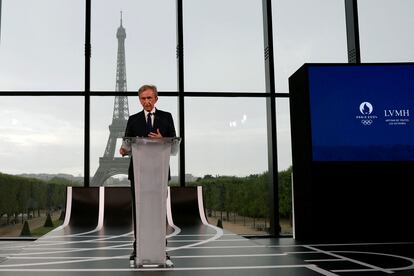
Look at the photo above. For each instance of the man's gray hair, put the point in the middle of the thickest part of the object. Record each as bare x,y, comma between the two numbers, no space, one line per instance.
148,87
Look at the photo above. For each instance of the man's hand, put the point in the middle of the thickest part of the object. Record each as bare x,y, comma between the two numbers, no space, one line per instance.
156,135
123,151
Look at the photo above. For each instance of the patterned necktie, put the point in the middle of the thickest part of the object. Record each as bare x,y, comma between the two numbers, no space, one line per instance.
149,122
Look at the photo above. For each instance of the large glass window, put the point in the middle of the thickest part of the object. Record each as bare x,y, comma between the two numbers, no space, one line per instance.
284,153
283,133
307,32
150,43
223,46
41,152
384,39
42,45
226,153
41,135
225,136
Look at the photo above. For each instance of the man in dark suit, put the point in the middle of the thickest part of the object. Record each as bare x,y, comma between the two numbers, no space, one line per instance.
150,122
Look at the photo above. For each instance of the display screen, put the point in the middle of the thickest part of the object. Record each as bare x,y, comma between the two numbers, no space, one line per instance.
362,112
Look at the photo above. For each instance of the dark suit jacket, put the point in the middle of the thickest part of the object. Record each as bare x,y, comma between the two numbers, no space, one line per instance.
136,126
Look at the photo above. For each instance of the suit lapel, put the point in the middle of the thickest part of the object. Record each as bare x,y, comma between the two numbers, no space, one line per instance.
141,124
141,119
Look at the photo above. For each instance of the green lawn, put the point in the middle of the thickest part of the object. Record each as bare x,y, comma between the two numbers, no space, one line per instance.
44,230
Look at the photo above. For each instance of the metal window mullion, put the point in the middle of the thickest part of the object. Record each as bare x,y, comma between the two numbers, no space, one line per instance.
352,31
271,117
180,84
87,92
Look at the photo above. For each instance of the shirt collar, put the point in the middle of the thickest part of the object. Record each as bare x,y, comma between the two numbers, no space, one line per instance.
152,111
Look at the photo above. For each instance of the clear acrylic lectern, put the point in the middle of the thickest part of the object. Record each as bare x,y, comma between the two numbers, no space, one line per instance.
151,159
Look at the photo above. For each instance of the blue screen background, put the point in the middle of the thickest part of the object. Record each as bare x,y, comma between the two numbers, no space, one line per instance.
338,131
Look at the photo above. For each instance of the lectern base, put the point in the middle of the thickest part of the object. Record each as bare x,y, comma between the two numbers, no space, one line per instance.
150,266
132,264
168,264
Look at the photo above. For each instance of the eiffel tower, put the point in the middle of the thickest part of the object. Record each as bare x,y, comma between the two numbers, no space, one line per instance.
108,164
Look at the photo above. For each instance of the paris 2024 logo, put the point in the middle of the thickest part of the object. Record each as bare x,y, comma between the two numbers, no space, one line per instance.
366,117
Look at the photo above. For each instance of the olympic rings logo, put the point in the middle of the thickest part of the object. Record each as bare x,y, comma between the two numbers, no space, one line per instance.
366,122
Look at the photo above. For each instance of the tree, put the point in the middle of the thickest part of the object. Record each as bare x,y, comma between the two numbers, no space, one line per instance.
48,222
246,196
285,193
26,229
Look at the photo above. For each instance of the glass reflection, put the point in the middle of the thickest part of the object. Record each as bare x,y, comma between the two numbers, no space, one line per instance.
226,153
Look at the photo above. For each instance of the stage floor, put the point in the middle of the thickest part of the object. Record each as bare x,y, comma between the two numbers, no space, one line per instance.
103,246
203,251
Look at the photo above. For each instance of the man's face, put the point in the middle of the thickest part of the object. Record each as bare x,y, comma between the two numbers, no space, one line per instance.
148,99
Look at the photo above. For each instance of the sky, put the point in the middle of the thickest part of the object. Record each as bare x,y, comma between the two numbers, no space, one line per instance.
42,49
